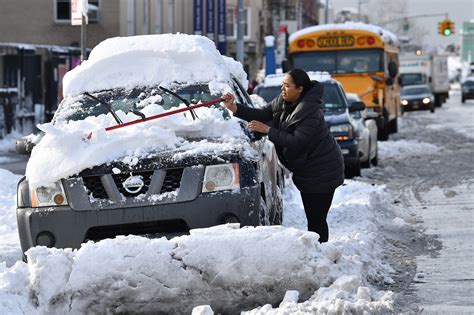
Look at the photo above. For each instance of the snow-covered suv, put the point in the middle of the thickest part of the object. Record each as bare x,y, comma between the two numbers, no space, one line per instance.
106,165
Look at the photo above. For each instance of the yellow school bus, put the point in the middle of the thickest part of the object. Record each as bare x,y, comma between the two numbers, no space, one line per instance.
363,57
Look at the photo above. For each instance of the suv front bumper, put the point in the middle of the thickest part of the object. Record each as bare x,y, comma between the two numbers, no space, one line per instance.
63,227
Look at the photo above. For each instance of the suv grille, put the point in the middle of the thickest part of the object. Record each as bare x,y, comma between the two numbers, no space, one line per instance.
149,229
171,182
94,186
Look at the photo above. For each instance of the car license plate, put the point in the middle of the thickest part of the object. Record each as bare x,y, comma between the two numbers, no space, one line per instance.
415,106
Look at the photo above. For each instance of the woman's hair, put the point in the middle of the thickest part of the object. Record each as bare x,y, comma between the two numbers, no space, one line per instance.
300,78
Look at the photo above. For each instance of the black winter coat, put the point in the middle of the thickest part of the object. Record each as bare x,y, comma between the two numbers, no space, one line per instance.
302,140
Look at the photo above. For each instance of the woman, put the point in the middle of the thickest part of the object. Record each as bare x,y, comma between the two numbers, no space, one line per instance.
302,142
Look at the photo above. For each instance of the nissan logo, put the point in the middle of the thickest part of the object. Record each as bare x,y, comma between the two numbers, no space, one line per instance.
133,184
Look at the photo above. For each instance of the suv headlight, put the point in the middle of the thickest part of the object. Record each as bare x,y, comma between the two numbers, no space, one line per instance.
221,177
48,196
342,132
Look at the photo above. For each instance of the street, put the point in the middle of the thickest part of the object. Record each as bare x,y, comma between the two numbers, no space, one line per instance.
432,192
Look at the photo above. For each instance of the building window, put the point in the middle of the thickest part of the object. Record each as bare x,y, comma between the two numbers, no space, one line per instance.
231,23
62,11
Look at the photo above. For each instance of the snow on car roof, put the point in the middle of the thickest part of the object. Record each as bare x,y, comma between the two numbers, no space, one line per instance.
126,62
386,35
277,79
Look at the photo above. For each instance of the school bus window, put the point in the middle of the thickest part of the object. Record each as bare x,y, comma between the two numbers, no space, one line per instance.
341,61
315,61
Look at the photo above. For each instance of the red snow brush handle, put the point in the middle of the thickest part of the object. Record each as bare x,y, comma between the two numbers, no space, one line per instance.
133,122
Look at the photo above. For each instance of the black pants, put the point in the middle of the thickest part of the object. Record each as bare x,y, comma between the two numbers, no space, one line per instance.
317,206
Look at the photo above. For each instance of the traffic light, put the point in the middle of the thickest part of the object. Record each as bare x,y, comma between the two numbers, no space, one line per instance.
446,27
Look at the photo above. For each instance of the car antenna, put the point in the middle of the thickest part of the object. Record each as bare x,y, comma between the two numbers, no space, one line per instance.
185,101
109,107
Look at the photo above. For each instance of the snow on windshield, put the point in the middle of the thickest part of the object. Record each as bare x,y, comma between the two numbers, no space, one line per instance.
170,60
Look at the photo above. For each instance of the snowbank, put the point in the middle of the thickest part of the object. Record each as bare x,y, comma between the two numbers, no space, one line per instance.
227,268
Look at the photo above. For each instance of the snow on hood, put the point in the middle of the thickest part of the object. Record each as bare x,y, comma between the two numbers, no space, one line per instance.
127,62
385,34
65,150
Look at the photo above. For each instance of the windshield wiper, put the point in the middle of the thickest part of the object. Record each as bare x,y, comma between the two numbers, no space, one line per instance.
107,105
185,101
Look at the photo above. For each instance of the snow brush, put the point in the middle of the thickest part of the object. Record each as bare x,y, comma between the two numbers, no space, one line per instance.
172,112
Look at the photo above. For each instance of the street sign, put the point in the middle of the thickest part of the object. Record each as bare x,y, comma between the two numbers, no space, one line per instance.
78,9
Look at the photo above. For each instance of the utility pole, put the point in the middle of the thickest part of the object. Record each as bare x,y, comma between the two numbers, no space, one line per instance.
83,38
239,49
326,13
170,16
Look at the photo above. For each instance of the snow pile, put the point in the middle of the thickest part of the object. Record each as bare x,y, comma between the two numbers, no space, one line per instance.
405,148
127,62
227,268
9,243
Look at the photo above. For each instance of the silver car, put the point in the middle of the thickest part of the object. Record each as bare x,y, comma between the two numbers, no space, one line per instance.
367,127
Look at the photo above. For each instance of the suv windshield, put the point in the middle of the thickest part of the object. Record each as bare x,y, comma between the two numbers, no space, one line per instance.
333,101
79,108
414,91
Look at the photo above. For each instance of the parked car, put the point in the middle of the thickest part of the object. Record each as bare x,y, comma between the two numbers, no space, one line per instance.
163,192
467,89
417,97
336,113
367,130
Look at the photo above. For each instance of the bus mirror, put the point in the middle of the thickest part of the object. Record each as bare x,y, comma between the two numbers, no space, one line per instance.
392,69
376,78
285,65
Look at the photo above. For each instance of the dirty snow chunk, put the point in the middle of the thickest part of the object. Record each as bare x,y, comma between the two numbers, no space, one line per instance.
203,310
399,222
405,148
346,295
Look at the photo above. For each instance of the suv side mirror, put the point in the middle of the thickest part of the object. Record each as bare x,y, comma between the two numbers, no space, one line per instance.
356,106
24,146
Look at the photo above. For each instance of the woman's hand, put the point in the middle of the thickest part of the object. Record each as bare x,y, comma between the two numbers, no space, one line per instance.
229,102
258,126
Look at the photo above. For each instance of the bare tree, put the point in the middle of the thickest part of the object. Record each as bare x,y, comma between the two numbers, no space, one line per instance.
393,16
